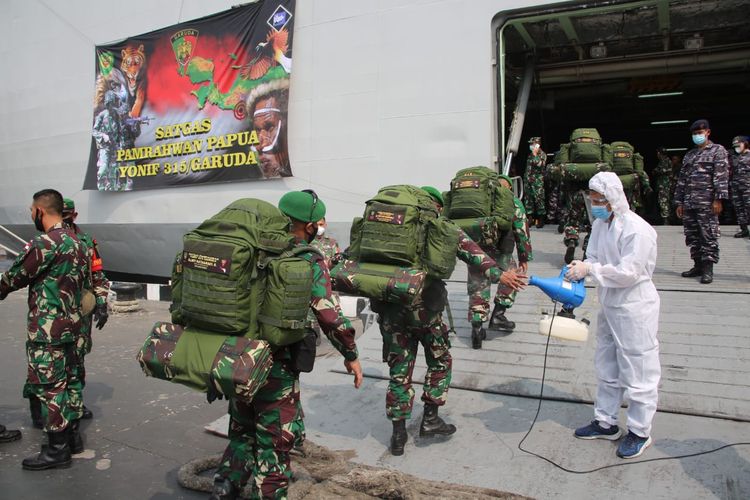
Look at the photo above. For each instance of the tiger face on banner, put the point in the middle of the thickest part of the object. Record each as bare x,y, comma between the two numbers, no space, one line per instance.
199,102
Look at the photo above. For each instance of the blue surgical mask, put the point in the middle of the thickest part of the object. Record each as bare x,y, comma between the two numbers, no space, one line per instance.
600,212
699,139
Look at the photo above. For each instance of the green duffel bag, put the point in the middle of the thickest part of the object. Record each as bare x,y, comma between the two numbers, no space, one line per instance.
585,146
232,366
387,283
483,230
622,157
580,172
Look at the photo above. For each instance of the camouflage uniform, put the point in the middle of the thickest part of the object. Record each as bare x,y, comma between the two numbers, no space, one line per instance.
106,132
54,267
328,246
577,218
100,283
703,179
664,186
533,189
554,201
641,190
506,296
404,328
262,433
741,186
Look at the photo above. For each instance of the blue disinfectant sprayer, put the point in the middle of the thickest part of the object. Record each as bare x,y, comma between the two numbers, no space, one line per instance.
570,294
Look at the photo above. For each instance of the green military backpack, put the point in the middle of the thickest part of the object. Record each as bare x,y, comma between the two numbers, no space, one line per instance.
622,157
396,245
585,146
479,205
239,273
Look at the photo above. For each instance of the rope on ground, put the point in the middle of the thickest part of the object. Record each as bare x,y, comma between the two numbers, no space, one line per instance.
322,473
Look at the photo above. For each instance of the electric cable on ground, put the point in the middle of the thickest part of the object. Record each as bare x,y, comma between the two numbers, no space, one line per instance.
610,466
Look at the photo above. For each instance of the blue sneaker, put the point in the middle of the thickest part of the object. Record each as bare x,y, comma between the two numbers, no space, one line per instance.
633,446
596,431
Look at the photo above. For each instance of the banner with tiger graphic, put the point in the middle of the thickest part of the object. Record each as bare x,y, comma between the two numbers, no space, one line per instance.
199,102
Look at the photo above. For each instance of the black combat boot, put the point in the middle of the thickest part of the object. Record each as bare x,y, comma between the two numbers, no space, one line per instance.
432,425
87,414
35,406
56,454
398,438
75,440
498,321
708,273
477,334
696,270
743,232
570,252
223,489
540,223
665,221
560,228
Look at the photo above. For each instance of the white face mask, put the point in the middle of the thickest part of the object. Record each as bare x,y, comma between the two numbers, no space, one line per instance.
321,230
738,149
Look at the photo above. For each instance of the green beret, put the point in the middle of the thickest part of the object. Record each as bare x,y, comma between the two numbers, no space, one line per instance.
436,195
303,206
68,205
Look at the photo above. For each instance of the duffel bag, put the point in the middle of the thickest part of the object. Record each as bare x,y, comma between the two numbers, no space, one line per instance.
393,284
233,366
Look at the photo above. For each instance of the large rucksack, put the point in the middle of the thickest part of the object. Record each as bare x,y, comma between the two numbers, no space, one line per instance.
396,245
622,157
585,146
479,205
239,273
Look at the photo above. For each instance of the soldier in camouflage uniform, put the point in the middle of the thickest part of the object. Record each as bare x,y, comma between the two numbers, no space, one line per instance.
740,183
100,290
664,185
576,219
701,185
83,338
404,328
640,193
262,433
533,189
54,267
329,247
505,296
107,133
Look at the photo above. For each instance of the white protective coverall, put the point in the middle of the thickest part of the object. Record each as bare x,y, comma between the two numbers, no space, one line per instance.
622,258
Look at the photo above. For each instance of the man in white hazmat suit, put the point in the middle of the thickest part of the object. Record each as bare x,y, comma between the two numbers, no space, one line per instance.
621,258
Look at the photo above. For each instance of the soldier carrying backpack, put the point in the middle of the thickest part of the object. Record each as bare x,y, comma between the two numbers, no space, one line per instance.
480,205
401,251
265,422
241,288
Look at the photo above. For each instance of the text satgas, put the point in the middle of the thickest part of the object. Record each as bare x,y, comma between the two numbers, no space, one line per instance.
183,129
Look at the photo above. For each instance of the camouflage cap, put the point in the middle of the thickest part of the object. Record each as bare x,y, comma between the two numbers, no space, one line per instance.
535,140
304,205
68,205
740,139
436,195
701,124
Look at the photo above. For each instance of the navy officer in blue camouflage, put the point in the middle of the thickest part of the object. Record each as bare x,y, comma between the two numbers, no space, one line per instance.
702,184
